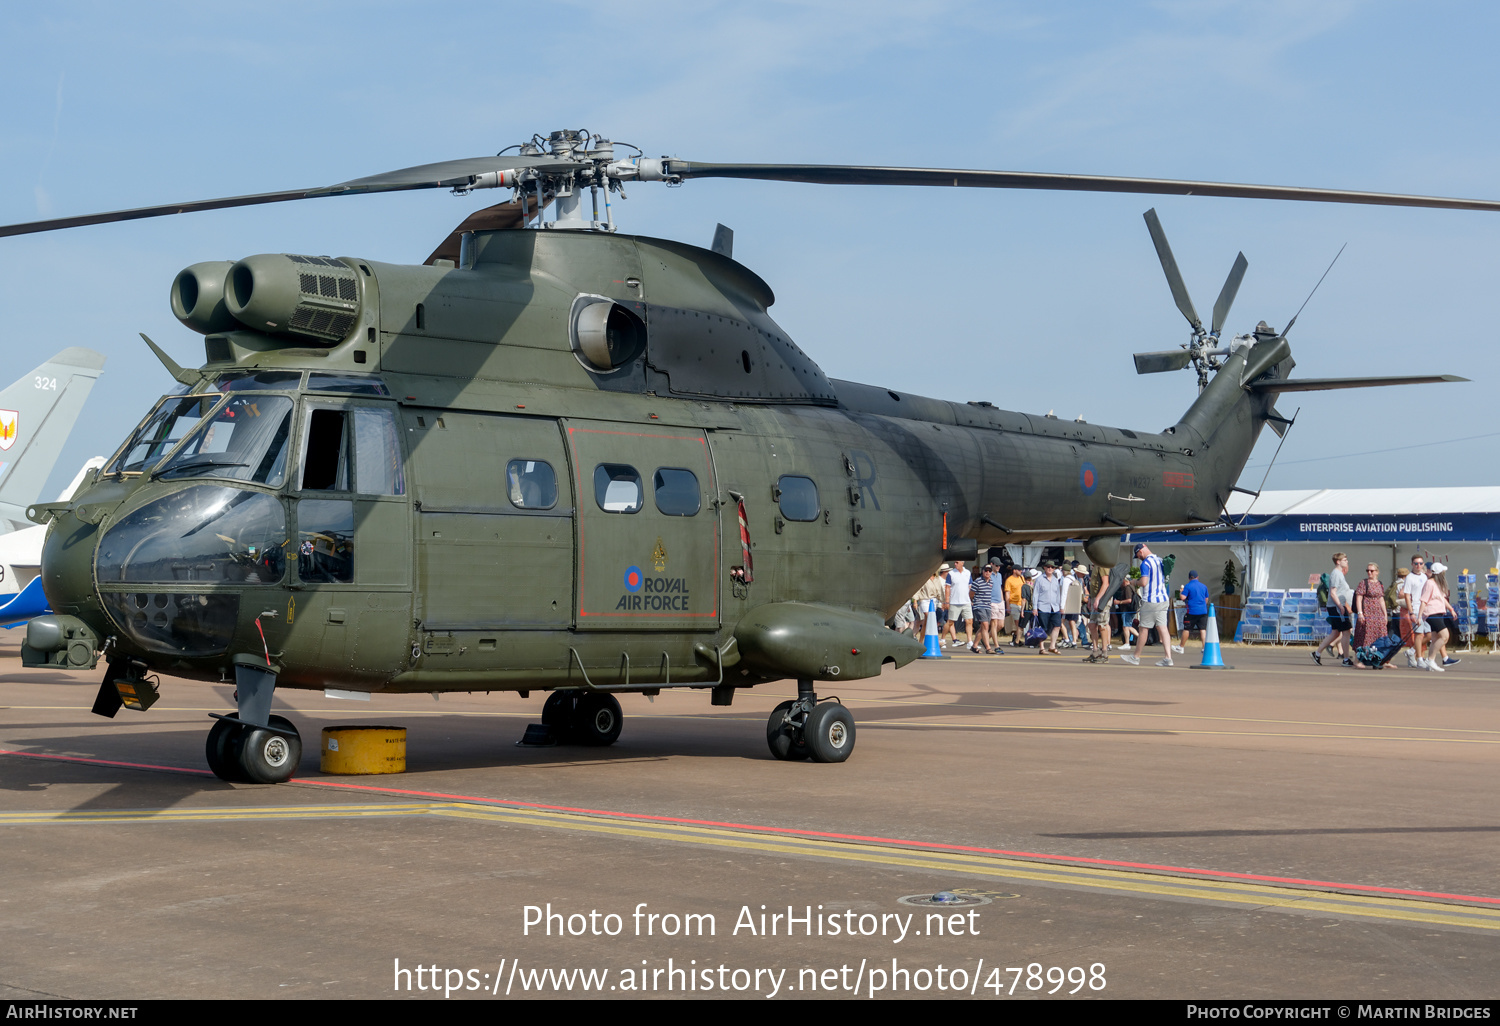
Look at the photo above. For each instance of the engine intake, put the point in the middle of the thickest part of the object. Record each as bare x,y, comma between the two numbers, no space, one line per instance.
286,294
198,298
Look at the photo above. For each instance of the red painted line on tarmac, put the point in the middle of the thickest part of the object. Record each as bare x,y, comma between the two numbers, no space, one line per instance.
107,762
794,832
919,845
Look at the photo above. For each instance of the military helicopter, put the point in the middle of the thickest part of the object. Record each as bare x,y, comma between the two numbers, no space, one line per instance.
556,457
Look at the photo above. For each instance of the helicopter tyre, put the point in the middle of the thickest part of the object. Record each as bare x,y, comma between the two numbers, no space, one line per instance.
268,757
829,733
785,739
222,751
597,720
559,712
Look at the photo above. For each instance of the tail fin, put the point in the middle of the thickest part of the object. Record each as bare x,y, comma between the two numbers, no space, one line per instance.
37,414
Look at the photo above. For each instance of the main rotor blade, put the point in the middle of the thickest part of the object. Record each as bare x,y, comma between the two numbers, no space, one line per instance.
444,175
1227,293
847,174
1168,360
1169,265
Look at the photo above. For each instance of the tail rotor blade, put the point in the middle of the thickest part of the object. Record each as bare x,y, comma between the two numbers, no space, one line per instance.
1227,294
1169,265
1155,363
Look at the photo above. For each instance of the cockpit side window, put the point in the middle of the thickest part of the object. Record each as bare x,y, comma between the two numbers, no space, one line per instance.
326,452
377,453
352,448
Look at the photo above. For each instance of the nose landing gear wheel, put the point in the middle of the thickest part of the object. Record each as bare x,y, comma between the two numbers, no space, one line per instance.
222,751
254,755
268,757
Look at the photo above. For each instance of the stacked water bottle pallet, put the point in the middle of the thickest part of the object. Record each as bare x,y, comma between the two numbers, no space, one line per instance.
1286,616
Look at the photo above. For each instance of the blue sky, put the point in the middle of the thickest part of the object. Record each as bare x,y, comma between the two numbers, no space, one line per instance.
1032,301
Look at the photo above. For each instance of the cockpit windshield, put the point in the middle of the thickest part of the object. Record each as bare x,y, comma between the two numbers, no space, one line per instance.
247,439
168,423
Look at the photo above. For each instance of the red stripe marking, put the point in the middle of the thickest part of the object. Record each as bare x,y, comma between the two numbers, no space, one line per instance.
107,762
793,832
927,845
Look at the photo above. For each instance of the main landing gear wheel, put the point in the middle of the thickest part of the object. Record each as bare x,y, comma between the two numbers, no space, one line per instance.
804,729
557,713
254,755
597,720
829,733
784,737
583,718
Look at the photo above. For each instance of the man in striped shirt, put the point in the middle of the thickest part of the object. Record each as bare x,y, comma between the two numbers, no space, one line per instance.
1153,607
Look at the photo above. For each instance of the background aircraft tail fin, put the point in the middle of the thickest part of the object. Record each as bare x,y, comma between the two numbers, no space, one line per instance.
37,413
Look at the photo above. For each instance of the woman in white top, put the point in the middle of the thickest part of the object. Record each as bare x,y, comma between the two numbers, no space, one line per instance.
1435,610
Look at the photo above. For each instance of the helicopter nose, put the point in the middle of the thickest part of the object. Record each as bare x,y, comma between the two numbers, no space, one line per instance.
69,636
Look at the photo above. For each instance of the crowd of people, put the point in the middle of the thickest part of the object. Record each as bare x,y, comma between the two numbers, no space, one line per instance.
1053,607
1369,621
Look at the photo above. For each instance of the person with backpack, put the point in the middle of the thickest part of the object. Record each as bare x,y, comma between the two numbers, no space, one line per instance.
1336,595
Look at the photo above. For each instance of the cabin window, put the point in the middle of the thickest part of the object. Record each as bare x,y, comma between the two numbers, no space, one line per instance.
617,488
531,484
799,498
325,541
677,492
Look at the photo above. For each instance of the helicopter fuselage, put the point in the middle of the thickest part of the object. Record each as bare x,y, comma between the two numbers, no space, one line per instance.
530,471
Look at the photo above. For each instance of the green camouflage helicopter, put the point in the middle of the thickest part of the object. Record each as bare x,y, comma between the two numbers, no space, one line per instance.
555,457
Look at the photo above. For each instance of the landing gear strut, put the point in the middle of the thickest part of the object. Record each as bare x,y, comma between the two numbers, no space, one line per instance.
803,729
253,747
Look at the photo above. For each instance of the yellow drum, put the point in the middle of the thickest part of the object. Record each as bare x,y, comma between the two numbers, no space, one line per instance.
363,749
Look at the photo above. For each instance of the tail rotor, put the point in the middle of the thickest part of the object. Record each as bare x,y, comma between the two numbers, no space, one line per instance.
1203,349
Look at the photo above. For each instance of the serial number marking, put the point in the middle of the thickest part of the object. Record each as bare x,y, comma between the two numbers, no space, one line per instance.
1036,979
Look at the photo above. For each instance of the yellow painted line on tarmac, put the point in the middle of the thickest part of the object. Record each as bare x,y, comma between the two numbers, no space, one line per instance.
189,815
1093,878
1003,727
1174,731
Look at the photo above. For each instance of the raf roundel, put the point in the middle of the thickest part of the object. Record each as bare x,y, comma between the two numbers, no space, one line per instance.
1088,478
633,579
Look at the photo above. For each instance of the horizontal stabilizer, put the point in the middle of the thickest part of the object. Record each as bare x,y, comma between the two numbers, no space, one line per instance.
1155,363
1323,384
